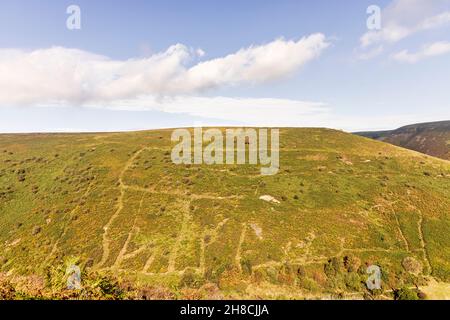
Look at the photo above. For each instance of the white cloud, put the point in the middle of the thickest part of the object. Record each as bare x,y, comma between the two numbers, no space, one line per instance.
371,53
404,18
226,111
427,51
436,21
61,76
182,111
246,111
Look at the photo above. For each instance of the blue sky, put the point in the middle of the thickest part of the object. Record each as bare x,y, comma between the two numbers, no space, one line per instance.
400,76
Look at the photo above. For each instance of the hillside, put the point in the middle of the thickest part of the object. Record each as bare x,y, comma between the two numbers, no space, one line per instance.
115,205
431,138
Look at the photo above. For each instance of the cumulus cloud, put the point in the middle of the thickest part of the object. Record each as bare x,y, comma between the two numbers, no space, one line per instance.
404,18
62,76
427,51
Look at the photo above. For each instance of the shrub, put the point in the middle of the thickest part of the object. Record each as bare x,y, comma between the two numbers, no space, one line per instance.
286,274
308,284
7,290
272,275
352,281
411,265
336,283
333,267
301,272
352,263
405,294
246,265
189,279
109,287
422,295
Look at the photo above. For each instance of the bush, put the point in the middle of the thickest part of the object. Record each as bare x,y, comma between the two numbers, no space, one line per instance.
352,263
286,274
272,275
301,272
411,265
308,284
352,281
190,279
333,267
7,290
405,294
422,295
336,284
109,288
246,265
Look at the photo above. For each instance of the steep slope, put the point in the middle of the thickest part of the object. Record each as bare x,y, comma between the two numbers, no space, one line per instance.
115,203
430,138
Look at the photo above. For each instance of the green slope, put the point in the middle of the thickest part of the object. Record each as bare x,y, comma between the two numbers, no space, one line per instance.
115,204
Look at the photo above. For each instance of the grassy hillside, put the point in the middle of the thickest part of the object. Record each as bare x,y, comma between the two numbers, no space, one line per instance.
431,138
115,205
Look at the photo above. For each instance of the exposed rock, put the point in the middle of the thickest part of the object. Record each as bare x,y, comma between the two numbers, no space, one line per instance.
269,199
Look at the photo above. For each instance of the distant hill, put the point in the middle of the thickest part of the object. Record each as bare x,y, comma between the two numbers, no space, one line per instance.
140,226
431,138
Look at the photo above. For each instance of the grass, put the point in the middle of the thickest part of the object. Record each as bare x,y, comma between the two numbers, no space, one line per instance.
180,226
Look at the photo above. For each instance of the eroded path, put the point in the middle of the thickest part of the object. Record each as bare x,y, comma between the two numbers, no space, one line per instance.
181,235
400,232
123,252
120,205
237,259
423,244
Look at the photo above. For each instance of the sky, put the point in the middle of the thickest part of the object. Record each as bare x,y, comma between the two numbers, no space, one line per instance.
137,65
